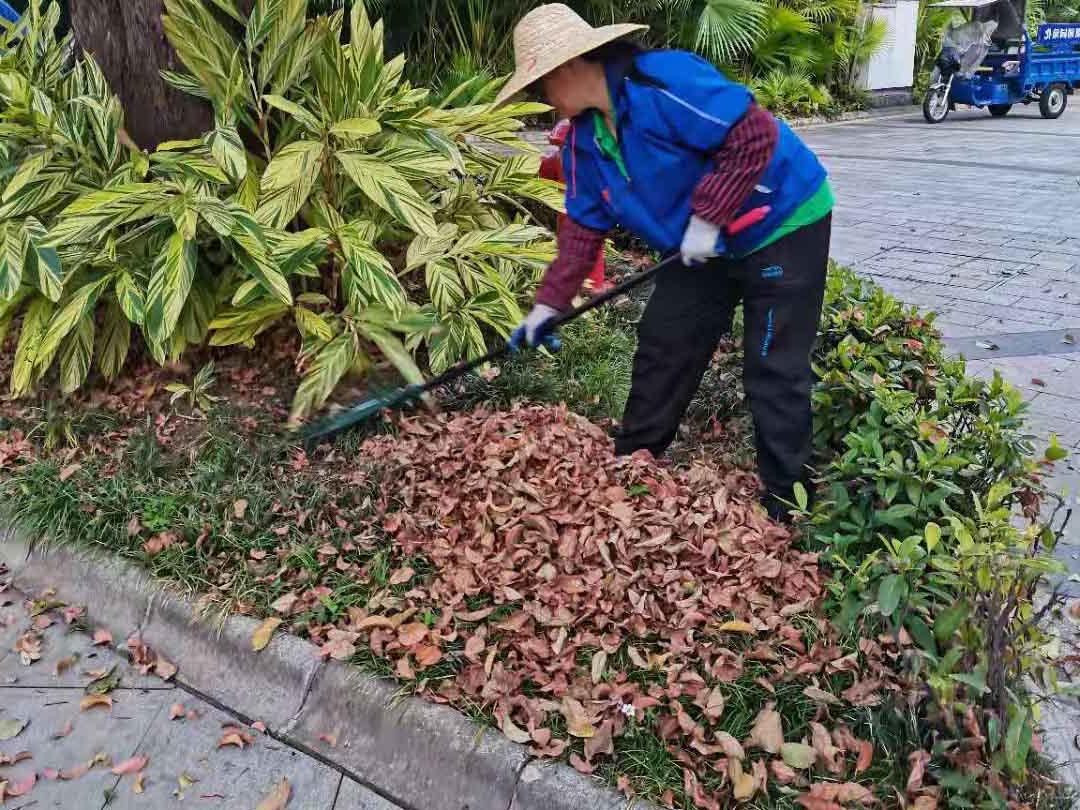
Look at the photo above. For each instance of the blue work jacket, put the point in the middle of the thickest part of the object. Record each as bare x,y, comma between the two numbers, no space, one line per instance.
670,129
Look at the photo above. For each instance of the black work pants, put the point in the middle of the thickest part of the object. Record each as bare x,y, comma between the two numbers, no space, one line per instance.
781,288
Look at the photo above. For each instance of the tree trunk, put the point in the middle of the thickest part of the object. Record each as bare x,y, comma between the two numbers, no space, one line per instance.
127,39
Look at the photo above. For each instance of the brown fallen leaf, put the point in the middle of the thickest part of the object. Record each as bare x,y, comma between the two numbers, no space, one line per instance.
64,664
20,788
917,760
139,786
821,696
798,755
329,739
259,726
737,626
577,721
77,772
782,772
743,785
278,798
176,711
731,747
1039,382
581,765
90,701
596,669
767,733
65,731
827,753
159,542
514,732
714,704
164,668
401,576
474,646
284,604
69,471
866,756
136,763
11,727
602,742
102,637
340,645
411,634
28,646
428,655
15,759
265,631
239,508
833,796
72,613
231,739
234,735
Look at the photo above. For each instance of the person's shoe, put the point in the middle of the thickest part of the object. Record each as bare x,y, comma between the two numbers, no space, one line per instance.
776,509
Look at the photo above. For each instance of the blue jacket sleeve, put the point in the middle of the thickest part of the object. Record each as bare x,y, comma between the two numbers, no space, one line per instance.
696,105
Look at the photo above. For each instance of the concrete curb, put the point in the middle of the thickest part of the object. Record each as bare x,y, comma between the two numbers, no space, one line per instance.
411,752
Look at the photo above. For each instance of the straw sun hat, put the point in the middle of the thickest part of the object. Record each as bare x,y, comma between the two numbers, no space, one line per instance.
550,36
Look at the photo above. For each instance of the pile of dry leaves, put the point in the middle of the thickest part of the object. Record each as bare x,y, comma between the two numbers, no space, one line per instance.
575,593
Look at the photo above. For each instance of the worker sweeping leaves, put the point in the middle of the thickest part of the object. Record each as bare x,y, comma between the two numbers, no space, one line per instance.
665,146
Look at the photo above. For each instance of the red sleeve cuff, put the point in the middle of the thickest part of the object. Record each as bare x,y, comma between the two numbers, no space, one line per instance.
740,163
578,248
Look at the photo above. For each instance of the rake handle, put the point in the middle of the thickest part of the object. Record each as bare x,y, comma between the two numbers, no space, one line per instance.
348,419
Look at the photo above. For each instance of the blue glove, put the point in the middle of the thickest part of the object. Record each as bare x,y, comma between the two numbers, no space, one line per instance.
536,330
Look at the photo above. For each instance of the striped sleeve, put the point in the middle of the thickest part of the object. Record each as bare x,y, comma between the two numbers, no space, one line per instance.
740,163
578,248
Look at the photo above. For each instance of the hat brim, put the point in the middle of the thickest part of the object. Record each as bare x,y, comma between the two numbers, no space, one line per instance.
559,56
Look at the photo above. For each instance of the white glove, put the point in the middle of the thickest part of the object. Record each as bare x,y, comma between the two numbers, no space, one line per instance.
529,329
700,241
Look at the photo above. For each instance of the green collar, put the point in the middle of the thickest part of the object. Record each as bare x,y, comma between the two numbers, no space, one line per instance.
607,143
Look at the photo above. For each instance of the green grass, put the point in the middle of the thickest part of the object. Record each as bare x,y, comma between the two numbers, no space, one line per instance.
591,372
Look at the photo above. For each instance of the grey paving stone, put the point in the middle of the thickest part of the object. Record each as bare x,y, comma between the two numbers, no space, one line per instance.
229,778
59,642
354,796
116,732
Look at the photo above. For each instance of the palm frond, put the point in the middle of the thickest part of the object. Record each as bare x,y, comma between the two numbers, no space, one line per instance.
729,28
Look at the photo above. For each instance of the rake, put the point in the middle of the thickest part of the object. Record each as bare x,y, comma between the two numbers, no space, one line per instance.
373,406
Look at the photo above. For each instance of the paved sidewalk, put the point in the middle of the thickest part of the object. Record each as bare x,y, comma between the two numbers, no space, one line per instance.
187,766
978,219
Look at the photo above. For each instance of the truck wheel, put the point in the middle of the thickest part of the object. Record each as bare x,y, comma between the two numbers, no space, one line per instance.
999,110
935,106
1052,102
